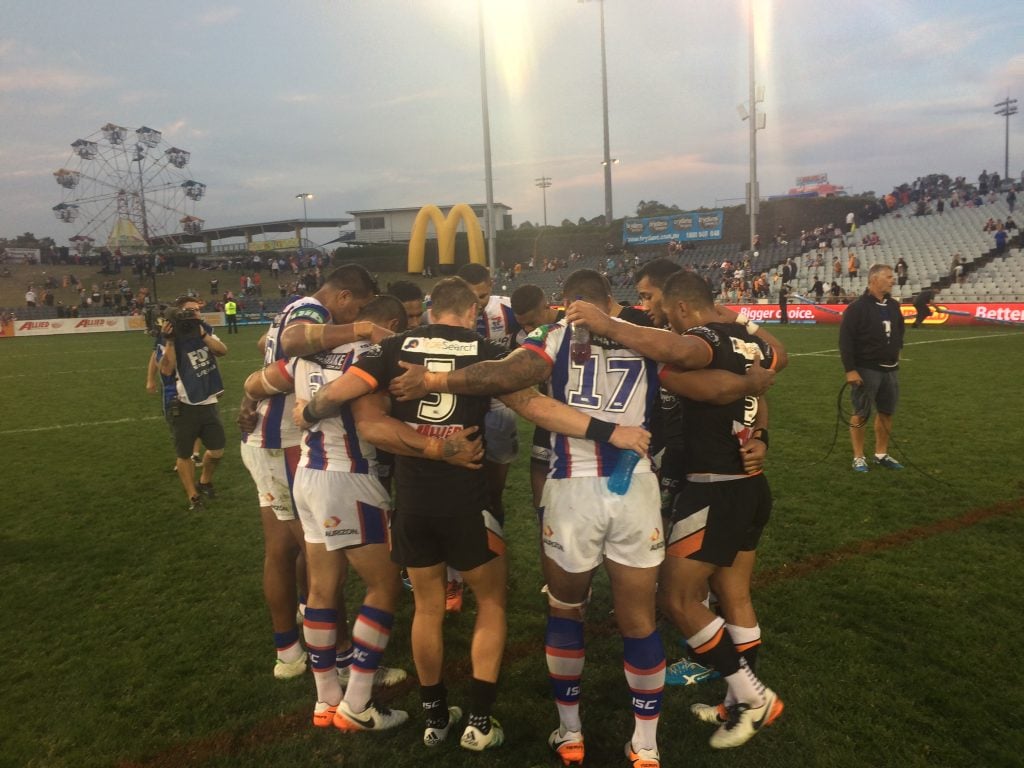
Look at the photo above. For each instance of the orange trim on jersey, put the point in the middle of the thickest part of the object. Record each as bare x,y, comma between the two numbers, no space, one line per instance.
687,545
741,647
712,642
282,366
495,543
539,351
367,377
775,358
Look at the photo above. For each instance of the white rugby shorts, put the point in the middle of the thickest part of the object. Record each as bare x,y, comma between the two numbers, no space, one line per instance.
273,477
341,509
584,523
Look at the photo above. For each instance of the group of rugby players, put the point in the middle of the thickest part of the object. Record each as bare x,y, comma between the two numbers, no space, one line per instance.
354,381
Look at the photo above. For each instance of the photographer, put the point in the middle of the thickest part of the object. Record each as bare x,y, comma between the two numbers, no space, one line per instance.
191,357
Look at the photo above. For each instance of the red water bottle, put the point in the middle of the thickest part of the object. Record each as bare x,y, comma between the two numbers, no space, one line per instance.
579,344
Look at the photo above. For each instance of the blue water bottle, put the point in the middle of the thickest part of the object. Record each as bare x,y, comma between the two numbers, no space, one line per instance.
620,478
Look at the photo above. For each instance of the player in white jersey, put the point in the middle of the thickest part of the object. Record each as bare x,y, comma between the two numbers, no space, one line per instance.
495,321
344,508
583,523
270,445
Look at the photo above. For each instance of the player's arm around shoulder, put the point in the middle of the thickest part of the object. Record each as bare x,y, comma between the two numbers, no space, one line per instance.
272,379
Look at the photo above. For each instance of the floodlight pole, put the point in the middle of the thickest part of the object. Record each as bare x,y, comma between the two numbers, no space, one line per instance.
305,216
492,257
1008,108
753,199
544,182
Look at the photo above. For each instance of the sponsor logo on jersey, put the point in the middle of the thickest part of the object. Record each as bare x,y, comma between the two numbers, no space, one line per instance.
440,346
332,522
341,532
441,431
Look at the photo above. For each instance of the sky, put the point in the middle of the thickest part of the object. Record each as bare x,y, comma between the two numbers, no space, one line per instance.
377,103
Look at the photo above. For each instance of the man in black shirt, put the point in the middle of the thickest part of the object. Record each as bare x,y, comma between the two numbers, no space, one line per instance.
870,340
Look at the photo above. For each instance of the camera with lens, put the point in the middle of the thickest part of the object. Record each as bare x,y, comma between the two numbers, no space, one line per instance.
185,322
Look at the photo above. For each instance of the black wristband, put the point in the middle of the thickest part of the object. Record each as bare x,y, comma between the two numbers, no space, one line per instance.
599,431
761,434
307,414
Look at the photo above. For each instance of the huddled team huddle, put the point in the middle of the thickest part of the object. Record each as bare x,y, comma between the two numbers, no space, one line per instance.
353,384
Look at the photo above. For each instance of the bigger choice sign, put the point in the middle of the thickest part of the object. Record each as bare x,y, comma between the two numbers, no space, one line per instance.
942,314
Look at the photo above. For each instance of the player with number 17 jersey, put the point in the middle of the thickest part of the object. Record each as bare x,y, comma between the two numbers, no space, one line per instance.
618,384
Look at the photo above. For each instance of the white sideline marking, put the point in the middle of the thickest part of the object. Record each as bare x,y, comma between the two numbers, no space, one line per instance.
136,368
911,343
26,430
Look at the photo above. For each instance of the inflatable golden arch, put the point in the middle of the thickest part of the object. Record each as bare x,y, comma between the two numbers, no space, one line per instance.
445,227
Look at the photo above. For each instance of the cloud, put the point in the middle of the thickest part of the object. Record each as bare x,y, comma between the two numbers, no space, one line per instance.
181,129
217,16
300,98
25,79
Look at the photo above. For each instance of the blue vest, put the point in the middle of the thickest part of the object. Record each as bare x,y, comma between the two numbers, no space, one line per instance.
197,369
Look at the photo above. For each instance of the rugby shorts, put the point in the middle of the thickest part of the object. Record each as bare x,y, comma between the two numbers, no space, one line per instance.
712,522
464,542
273,471
583,522
341,509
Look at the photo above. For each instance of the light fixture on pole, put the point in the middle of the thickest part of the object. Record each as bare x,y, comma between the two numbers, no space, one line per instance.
544,182
492,258
757,123
607,142
1008,108
305,216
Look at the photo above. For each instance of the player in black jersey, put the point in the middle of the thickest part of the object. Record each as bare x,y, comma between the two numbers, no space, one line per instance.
444,513
721,510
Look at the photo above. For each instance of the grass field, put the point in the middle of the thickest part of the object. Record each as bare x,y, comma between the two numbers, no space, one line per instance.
891,603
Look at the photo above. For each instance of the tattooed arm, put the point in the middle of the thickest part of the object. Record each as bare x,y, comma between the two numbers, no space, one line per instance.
373,422
519,370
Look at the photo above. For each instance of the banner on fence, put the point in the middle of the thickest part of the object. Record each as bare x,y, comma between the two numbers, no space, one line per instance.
679,227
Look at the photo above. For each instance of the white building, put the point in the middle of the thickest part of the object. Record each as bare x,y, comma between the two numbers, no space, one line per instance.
395,224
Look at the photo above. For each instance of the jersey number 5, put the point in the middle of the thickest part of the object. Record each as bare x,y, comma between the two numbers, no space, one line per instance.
437,406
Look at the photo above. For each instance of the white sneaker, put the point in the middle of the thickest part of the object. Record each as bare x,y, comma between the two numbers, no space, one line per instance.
716,714
435,736
374,718
477,741
286,670
642,758
568,745
384,677
745,721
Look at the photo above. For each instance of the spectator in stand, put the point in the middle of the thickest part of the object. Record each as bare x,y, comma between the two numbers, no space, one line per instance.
852,265
818,289
961,271
952,267
835,291
851,222
1000,238
1011,199
30,297
901,272
940,205
1009,224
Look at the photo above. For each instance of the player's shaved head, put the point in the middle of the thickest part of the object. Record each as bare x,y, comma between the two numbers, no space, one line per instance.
452,294
587,284
689,287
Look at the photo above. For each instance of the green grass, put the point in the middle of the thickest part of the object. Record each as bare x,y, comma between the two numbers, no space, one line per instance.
135,632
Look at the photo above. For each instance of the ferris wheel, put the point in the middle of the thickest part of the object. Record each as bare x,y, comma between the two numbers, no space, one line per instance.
122,187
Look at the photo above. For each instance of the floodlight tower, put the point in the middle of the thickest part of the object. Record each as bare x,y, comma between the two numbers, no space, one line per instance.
1007,108
757,123
544,182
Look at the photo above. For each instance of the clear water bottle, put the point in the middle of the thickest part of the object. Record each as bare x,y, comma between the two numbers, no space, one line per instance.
579,344
622,475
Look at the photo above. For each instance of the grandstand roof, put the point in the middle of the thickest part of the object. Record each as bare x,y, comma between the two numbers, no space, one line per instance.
241,230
